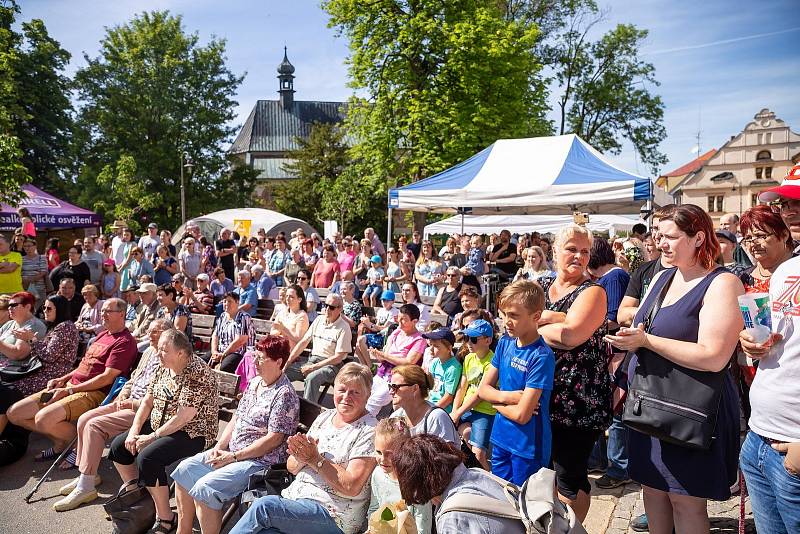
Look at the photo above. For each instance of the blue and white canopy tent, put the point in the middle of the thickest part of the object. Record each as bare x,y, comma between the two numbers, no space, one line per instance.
556,175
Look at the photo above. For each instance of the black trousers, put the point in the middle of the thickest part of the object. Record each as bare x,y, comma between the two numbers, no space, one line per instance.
153,459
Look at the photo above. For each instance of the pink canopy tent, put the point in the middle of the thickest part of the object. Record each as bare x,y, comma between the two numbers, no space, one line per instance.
48,212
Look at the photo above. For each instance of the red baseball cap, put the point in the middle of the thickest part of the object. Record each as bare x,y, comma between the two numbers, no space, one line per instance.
789,188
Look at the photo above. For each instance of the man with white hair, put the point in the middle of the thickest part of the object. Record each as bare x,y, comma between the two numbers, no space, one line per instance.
264,284
248,297
377,246
332,339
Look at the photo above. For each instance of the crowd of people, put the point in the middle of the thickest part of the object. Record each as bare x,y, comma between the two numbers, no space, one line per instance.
431,369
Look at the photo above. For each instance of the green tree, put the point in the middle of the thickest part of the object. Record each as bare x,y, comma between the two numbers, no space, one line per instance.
153,93
13,174
604,88
443,79
44,125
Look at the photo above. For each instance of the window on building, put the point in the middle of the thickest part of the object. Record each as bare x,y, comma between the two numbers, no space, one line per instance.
760,139
720,206
769,138
711,200
764,154
715,203
759,172
768,173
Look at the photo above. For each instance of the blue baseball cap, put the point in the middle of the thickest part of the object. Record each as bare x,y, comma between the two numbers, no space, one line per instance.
387,294
441,333
376,259
479,328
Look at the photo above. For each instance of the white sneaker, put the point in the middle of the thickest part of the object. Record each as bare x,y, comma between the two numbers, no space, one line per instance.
67,489
73,500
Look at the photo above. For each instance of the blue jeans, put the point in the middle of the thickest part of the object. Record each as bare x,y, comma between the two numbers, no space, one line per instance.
613,457
272,514
774,493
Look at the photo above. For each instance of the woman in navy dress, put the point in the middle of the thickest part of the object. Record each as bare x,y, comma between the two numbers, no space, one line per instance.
697,327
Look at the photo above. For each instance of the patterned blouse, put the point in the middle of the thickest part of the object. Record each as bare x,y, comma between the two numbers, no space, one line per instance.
57,353
194,387
352,310
264,409
582,387
180,310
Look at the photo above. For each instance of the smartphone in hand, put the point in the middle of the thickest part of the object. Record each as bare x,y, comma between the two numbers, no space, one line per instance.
46,396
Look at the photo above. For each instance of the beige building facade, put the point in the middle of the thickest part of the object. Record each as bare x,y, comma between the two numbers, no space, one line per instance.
755,159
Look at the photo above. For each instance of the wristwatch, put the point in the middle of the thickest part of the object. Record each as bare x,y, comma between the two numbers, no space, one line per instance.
70,391
321,461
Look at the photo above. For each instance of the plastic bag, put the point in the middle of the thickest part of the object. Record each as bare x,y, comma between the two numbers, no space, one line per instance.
393,518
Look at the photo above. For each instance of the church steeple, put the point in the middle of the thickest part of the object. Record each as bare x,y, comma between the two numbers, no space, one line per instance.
286,77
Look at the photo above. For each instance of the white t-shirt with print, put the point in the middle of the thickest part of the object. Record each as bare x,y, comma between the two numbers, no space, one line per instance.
338,445
775,393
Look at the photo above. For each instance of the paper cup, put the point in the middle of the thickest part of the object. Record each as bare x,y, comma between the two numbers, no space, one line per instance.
756,313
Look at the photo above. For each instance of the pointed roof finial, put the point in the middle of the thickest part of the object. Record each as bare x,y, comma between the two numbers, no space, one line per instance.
285,67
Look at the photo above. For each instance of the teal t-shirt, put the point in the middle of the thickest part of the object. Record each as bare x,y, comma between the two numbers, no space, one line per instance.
446,378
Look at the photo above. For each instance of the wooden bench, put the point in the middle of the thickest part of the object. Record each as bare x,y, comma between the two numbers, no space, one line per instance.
439,318
262,328
202,330
228,387
322,292
265,308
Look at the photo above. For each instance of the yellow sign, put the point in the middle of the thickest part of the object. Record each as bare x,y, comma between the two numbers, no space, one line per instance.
242,227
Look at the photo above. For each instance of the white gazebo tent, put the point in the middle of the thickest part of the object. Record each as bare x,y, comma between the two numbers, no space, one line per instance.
519,224
271,221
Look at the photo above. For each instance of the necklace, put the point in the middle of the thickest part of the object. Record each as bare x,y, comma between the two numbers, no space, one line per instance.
761,272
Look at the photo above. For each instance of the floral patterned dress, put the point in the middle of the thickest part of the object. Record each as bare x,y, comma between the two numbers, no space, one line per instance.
57,353
582,387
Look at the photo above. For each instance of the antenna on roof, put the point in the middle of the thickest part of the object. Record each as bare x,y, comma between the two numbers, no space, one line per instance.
699,130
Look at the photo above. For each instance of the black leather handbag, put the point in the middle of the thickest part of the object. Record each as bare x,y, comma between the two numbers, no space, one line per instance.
131,510
17,370
671,402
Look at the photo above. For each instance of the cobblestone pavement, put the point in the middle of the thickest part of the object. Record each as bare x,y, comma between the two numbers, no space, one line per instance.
612,511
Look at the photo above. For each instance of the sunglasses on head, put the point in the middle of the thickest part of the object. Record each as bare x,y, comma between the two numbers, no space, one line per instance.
395,387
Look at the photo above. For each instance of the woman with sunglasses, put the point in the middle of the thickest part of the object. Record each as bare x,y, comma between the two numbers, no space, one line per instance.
447,300
73,267
56,350
312,297
139,266
409,387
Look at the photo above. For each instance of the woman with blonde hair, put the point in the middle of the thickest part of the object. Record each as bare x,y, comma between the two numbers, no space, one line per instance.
534,266
410,387
428,271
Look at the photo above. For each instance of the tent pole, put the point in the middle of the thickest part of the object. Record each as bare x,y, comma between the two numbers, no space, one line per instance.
462,223
389,230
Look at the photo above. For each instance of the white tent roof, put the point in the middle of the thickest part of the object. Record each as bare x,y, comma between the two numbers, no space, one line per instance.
271,221
519,224
540,175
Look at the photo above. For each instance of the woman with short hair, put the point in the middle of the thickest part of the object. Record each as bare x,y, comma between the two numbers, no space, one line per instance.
253,440
73,267
429,469
233,332
171,309
177,418
332,463
90,321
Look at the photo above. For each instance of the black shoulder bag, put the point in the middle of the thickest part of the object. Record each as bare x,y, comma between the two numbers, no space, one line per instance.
671,402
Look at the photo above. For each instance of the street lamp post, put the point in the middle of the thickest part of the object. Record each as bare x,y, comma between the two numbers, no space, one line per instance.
186,161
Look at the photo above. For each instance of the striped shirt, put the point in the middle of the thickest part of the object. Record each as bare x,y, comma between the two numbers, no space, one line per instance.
228,330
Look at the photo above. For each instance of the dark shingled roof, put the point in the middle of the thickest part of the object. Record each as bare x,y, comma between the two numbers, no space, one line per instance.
270,128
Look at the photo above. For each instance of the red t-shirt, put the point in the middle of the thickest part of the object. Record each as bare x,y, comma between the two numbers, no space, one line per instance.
117,351
324,273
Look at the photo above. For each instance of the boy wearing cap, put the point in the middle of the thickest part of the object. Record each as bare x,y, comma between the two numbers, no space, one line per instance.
445,368
518,384
476,415
375,276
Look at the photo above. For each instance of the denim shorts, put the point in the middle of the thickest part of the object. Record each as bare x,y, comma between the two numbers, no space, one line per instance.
481,428
373,290
214,487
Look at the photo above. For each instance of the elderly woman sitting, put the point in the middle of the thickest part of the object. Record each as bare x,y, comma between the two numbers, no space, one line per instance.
254,439
333,464
177,418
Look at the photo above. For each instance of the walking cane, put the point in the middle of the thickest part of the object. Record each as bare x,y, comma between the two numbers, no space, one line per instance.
112,394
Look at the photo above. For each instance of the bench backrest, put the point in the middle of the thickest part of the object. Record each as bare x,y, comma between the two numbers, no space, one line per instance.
228,388
262,328
202,326
309,411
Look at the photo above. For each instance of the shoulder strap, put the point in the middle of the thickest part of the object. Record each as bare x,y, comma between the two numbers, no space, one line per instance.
433,409
467,502
655,305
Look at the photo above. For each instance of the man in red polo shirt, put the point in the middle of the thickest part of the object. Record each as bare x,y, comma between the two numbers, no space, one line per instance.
54,411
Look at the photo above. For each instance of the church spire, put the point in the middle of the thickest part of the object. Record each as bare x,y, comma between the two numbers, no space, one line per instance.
286,77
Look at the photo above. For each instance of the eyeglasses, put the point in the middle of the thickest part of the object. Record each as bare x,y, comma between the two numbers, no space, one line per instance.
48,308
395,387
302,278
757,237
327,306
14,305
473,340
785,205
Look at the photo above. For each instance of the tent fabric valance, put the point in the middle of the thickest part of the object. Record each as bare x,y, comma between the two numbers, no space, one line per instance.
47,211
540,175
520,224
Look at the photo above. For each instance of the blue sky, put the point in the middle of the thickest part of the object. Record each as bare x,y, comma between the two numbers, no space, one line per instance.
719,62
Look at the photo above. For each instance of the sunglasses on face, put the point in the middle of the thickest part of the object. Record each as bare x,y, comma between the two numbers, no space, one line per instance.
48,308
302,278
395,387
12,305
326,306
473,340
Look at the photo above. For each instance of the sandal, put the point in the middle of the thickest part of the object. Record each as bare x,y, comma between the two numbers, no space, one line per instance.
47,455
162,526
70,461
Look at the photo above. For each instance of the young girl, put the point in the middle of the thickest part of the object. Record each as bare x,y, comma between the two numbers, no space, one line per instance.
26,222
389,434
109,280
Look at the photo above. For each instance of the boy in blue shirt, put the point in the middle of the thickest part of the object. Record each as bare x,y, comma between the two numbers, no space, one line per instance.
445,368
518,383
